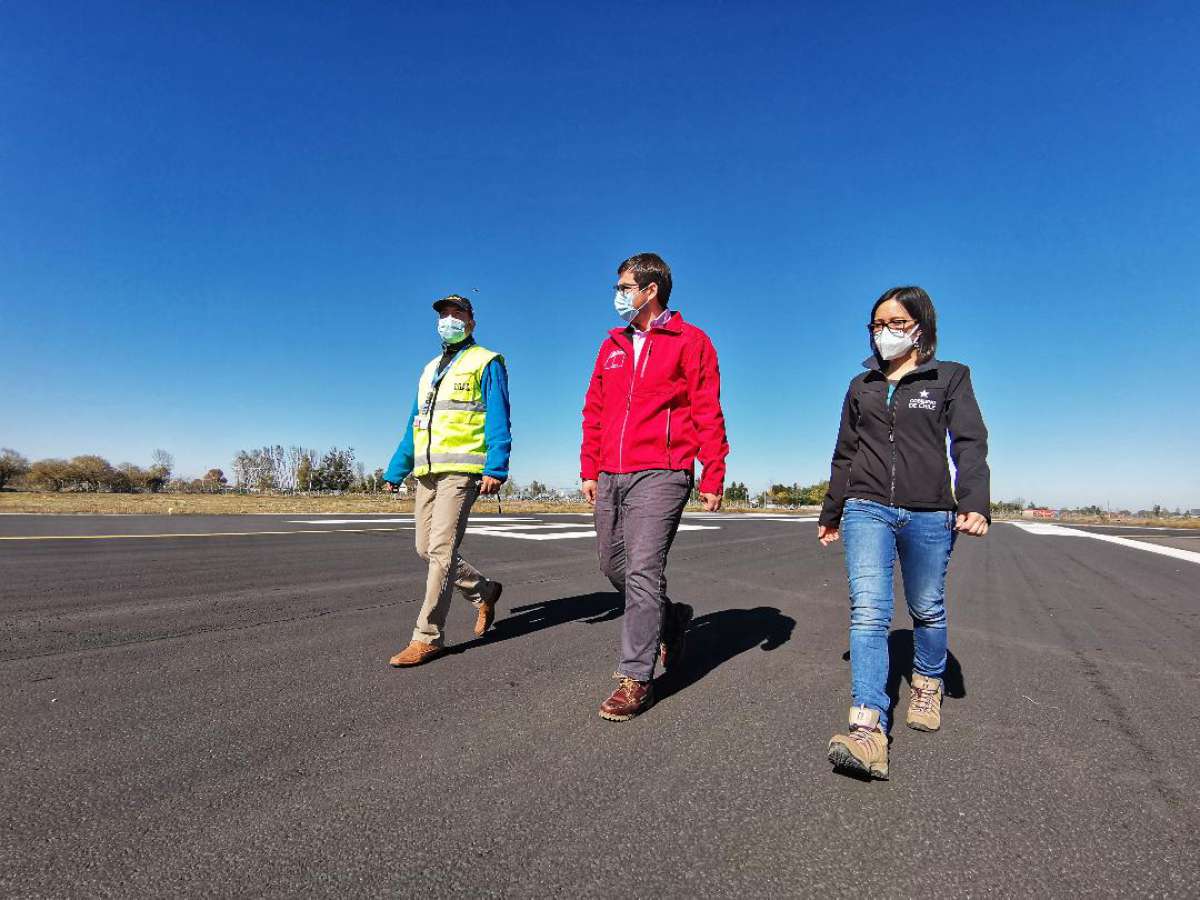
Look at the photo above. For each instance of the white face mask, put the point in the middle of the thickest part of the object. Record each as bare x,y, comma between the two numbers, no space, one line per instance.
451,330
892,346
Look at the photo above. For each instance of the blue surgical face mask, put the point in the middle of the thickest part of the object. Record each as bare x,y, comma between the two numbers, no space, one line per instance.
625,308
451,330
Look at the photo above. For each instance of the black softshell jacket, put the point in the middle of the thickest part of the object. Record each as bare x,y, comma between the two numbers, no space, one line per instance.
895,453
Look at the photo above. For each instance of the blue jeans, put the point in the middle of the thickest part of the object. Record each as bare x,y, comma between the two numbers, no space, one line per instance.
874,534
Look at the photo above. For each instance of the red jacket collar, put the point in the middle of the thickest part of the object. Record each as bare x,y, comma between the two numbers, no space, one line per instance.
673,325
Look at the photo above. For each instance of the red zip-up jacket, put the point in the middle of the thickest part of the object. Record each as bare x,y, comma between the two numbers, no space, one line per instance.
664,416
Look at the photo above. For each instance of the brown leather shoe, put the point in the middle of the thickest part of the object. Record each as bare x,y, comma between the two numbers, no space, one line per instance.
631,698
415,654
487,611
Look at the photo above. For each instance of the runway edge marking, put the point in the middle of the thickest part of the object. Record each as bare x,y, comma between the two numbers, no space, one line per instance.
1047,530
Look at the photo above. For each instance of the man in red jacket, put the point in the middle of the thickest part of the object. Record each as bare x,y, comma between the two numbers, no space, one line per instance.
653,407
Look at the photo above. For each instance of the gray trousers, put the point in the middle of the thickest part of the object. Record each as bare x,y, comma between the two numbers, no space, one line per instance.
637,515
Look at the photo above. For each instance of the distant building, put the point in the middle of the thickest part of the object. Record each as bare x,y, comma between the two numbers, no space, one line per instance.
1041,513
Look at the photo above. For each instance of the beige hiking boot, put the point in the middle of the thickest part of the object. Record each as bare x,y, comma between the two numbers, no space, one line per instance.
865,748
925,703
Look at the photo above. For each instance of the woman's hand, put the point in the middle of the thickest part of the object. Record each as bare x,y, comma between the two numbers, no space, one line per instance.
827,535
973,524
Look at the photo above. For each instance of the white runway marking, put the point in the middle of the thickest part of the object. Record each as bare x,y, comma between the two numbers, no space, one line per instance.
1048,530
525,536
528,532
749,517
406,520
531,528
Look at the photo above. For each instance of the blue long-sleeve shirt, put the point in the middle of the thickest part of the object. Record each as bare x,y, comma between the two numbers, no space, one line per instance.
497,429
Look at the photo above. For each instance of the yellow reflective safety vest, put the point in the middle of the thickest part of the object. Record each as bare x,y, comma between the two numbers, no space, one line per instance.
448,429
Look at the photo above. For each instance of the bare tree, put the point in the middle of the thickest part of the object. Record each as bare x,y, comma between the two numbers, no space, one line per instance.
162,464
12,466
243,470
51,474
281,468
91,473
300,464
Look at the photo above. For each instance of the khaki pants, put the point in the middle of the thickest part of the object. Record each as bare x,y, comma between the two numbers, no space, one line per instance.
443,503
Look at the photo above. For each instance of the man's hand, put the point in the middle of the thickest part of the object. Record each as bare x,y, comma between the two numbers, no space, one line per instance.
589,492
389,487
490,485
712,502
827,535
973,524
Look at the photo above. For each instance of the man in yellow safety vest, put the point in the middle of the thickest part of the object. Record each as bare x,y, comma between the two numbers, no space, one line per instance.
457,444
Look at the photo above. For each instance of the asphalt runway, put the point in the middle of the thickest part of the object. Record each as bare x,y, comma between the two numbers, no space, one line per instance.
212,713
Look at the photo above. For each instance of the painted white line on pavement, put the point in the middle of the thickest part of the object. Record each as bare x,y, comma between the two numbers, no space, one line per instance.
1181,531
524,536
407,520
523,532
1060,531
748,517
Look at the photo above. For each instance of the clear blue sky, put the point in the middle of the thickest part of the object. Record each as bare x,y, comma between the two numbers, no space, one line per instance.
221,225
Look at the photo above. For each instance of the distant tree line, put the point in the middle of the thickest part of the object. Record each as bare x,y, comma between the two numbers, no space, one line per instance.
266,469
1090,511
303,470
794,494
86,473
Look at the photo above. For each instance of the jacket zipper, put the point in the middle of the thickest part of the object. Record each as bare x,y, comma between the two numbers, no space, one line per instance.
629,402
438,378
668,437
437,385
892,441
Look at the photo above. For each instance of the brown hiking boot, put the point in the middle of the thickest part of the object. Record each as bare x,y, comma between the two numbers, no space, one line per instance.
925,703
415,654
628,700
865,748
674,642
487,611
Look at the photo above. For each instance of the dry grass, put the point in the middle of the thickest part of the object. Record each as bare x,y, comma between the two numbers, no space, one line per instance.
1133,522
46,502
1129,521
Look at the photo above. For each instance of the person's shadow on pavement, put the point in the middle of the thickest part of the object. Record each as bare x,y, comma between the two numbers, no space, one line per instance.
712,639
717,637
599,606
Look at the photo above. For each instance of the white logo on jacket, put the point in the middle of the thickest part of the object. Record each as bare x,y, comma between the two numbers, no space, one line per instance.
615,360
922,402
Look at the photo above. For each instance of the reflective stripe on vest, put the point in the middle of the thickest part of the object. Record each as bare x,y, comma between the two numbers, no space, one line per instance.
460,404
470,459
448,435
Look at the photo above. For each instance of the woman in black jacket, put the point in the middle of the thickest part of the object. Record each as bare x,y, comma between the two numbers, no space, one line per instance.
890,496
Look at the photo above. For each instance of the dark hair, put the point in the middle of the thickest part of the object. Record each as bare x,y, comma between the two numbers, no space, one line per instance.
647,269
918,305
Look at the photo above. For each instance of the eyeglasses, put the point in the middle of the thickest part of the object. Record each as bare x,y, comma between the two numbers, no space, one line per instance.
626,288
897,327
